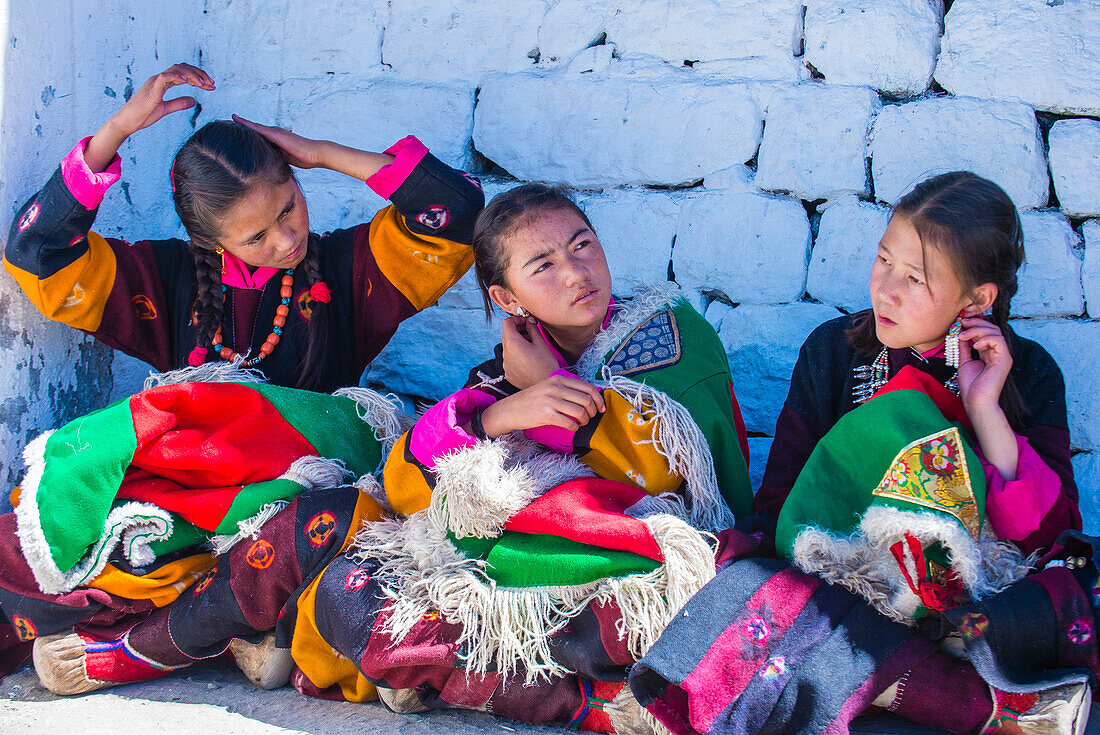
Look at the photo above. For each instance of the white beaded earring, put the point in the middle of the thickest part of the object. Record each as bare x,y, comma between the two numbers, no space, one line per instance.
951,343
520,311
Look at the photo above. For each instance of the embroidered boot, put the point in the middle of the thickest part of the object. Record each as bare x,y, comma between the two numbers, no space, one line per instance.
401,701
1063,710
75,663
265,665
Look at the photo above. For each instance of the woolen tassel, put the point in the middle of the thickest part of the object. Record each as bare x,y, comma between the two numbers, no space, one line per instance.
320,292
197,356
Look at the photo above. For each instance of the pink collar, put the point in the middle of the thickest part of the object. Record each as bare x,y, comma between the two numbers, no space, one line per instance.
554,350
237,275
934,352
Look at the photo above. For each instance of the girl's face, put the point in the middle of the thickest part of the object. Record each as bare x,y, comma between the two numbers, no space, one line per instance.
557,272
269,226
915,293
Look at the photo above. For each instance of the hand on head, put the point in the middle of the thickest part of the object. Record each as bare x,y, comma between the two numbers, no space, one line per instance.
527,357
982,379
297,150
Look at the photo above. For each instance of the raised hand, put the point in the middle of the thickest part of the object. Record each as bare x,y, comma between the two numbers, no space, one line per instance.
296,149
982,379
527,357
558,400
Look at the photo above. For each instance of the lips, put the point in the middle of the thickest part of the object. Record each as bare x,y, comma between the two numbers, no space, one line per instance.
585,296
294,255
884,321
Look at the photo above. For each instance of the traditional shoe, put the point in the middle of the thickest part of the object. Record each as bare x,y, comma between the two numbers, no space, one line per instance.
1063,710
628,717
265,665
401,701
74,663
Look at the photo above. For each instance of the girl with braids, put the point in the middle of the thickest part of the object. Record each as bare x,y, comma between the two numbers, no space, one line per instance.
308,311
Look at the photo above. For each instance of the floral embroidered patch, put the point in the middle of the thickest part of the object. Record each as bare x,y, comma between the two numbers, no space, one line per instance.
774,668
653,344
932,473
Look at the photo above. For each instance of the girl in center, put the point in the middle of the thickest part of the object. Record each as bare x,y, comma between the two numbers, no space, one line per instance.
552,515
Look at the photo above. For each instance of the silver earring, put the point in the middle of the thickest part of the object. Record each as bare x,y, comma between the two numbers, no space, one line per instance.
520,311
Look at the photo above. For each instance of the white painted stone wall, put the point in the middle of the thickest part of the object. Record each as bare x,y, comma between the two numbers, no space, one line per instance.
752,145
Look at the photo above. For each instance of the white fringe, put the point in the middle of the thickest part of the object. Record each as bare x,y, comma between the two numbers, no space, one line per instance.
370,485
645,301
248,528
678,439
210,372
862,562
383,412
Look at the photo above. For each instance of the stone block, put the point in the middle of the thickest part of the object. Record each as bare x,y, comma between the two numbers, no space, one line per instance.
997,140
433,351
462,40
571,26
636,229
1086,472
1074,161
1050,279
890,45
1075,346
815,141
1046,54
601,130
737,178
762,343
754,39
840,264
750,247
1090,269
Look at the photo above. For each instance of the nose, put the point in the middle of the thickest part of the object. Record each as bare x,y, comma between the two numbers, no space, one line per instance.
576,271
887,289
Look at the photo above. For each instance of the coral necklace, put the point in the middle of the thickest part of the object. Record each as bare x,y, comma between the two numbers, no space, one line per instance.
277,325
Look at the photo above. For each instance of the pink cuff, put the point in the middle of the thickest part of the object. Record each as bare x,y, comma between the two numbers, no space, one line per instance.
554,438
1017,507
86,187
236,273
439,431
407,153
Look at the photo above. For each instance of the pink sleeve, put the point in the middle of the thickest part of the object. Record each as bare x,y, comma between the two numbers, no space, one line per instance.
554,438
87,187
1017,507
407,153
439,431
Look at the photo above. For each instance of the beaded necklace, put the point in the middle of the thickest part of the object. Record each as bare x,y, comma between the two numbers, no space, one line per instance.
281,312
876,375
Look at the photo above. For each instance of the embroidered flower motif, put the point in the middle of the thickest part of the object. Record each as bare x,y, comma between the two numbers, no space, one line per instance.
756,630
938,457
635,418
973,625
899,475
1080,632
774,668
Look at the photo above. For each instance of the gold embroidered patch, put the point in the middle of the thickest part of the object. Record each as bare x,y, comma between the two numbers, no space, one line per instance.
932,473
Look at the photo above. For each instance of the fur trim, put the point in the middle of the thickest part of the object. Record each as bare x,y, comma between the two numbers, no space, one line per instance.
210,372
370,485
382,411
862,562
678,439
489,482
645,301
249,528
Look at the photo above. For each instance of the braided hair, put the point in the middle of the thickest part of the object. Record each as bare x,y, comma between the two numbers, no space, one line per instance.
216,168
972,222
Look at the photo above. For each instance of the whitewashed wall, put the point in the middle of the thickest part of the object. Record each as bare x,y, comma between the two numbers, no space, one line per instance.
765,137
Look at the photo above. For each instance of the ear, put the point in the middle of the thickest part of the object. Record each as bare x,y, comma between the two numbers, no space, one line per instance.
503,298
981,299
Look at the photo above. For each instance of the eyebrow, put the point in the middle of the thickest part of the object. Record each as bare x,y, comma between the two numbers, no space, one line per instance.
548,252
911,265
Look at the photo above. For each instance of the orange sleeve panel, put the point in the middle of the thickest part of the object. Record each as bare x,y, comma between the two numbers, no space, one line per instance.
408,483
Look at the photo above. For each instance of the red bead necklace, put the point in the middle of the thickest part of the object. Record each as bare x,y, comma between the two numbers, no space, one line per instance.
281,312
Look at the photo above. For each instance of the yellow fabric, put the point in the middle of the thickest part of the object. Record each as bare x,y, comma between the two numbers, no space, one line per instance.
420,266
77,294
406,489
162,586
621,448
321,664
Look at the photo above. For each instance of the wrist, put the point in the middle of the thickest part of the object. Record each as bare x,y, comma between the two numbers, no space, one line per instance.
491,425
113,133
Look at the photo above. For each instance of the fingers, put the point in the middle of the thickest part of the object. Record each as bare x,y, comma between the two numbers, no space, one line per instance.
188,74
180,103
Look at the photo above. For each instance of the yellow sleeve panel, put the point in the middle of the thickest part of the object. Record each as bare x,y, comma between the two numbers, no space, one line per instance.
77,294
407,490
419,266
622,448
314,656
162,586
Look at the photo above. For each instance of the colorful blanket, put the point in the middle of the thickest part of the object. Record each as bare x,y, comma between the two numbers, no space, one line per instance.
514,578
904,525
180,463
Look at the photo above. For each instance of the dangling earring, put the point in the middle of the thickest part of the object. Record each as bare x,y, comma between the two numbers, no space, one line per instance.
221,253
520,311
951,343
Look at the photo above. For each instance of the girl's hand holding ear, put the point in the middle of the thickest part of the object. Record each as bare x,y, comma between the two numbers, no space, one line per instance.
145,107
559,400
981,381
527,357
